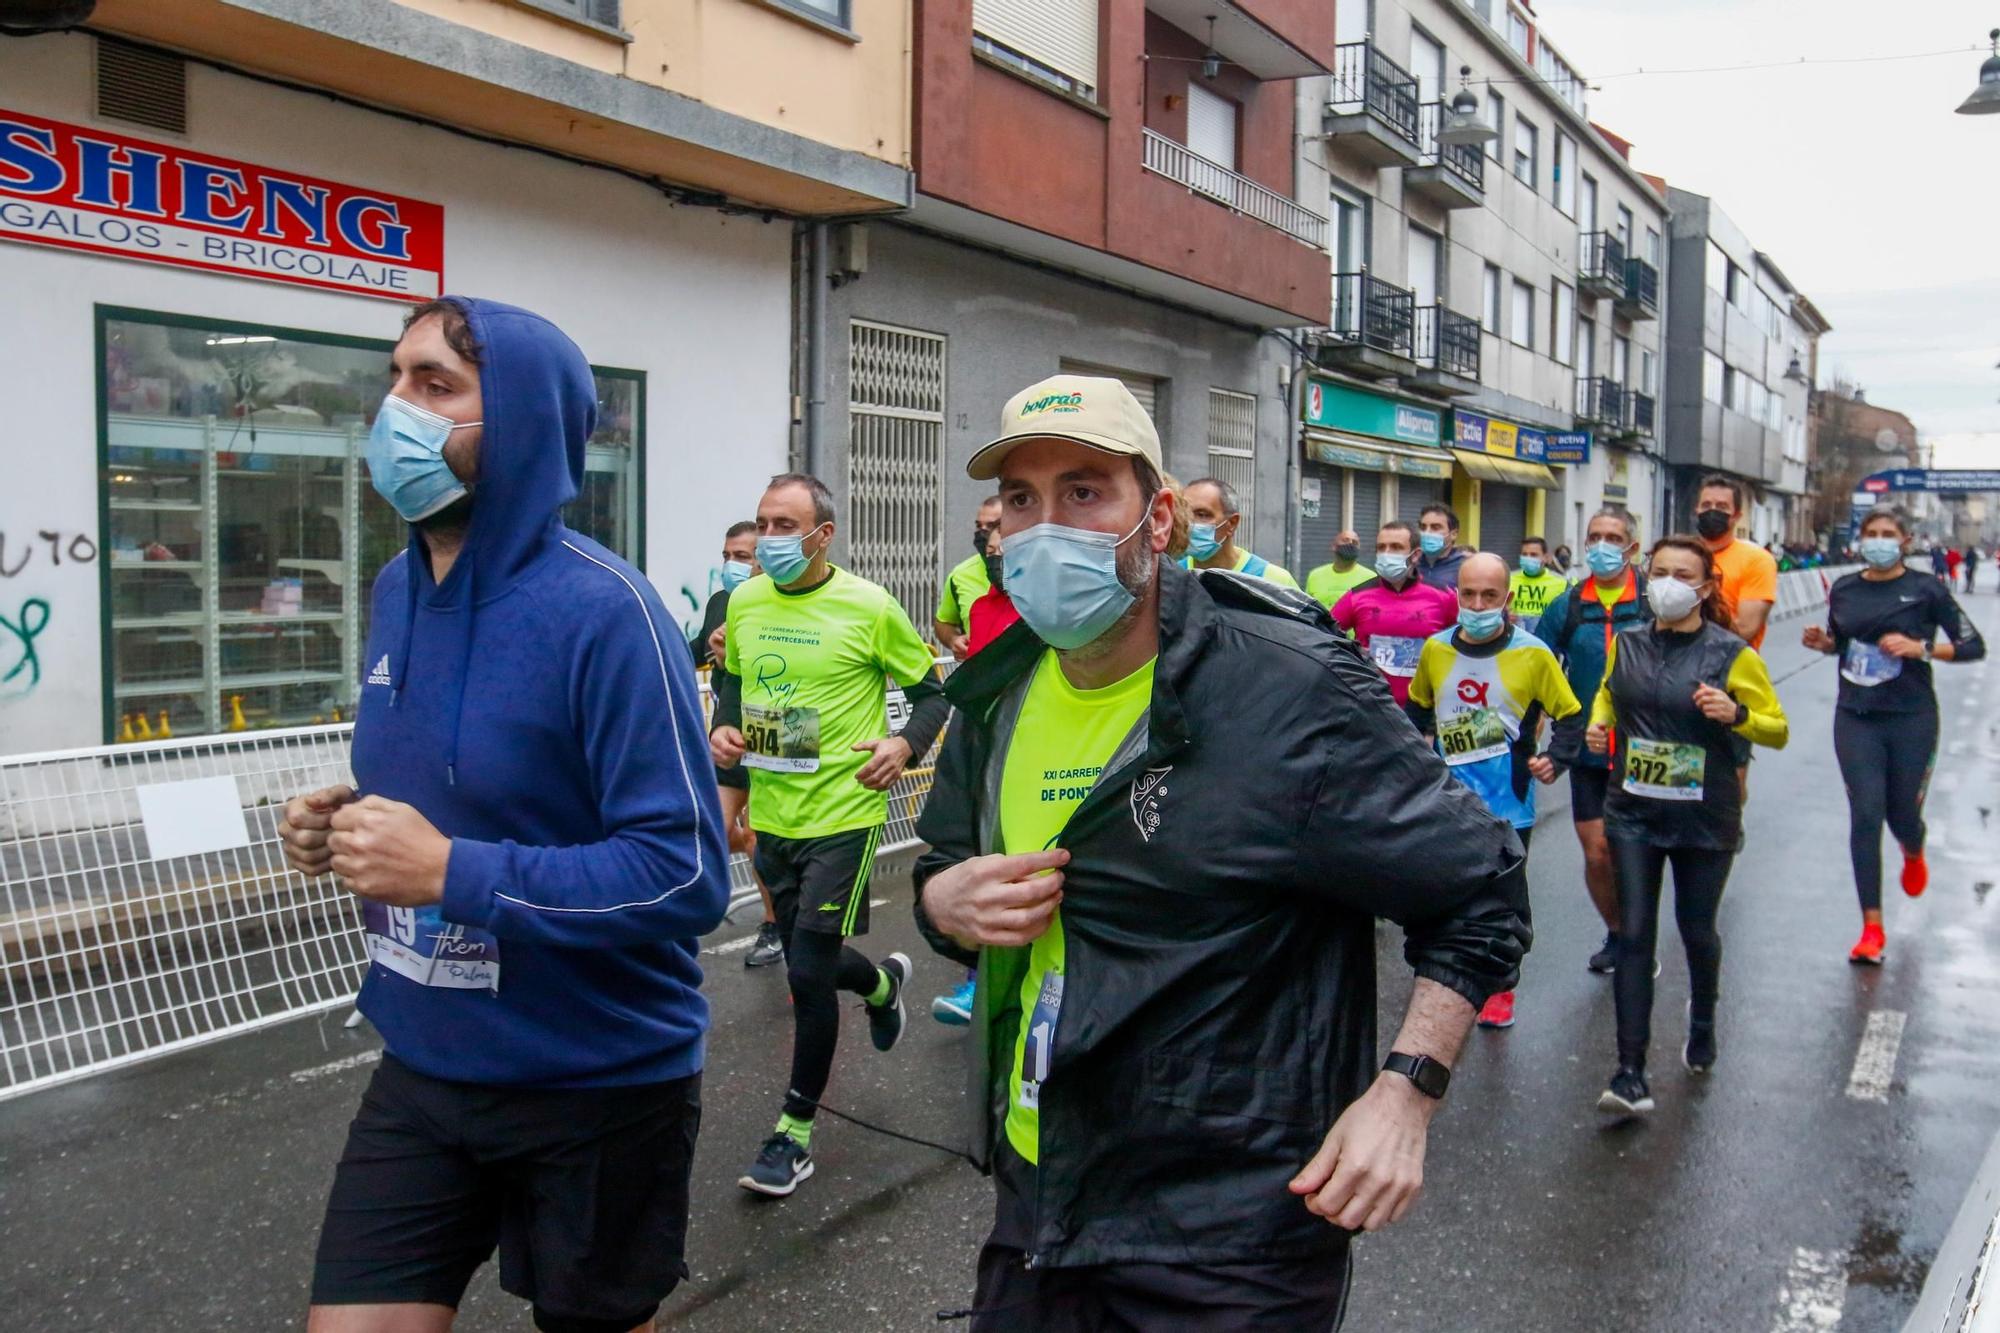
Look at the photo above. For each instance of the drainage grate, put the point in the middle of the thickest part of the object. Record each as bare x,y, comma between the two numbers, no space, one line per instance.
141,86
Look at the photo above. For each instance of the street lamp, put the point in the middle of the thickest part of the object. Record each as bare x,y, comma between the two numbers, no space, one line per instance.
1463,127
1985,99
1211,60
1795,372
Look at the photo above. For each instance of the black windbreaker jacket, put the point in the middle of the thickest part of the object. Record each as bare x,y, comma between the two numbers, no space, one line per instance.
1218,910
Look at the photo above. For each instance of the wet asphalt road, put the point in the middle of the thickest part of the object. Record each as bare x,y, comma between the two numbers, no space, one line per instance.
185,1193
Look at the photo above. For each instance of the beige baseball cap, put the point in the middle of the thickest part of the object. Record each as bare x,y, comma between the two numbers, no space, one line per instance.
1094,411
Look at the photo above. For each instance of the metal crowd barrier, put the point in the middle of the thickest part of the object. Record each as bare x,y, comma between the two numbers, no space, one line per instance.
111,956
1801,591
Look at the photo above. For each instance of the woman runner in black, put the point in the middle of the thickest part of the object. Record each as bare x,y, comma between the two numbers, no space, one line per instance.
1676,696
1882,623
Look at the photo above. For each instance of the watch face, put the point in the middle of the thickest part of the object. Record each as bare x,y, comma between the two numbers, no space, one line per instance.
1431,1077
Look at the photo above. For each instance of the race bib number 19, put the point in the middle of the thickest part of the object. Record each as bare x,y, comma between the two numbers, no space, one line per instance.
781,740
418,943
1665,770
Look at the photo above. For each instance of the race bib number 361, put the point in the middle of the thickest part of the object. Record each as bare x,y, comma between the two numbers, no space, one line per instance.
1475,734
1665,770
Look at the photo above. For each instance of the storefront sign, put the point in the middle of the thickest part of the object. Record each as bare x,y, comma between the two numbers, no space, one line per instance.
1480,434
84,189
1338,407
1363,459
1568,446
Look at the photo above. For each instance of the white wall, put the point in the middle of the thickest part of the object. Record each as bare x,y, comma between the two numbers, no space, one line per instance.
698,301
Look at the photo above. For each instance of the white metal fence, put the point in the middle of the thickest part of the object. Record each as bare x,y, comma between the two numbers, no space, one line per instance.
1176,161
111,954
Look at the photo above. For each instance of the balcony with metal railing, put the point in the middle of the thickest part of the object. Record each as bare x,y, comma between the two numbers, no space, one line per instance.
1449,175
1238,194
1640,296
1639,414
1600,264
1371,108
1373,329
1445,345
1600,401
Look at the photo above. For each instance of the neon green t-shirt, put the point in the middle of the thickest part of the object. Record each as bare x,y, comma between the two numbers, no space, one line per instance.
814,667
1535,593
1061,743
1326,584
966,584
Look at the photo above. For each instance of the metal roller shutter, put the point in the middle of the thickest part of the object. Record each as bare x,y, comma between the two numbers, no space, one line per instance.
1144,387
1367,510
1503,519
1413,493
1316,534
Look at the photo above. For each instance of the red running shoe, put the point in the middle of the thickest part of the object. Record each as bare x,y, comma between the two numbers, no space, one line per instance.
1916,875
1870,947
1499,1011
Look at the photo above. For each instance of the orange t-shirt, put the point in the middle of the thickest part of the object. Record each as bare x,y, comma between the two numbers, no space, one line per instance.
1748,574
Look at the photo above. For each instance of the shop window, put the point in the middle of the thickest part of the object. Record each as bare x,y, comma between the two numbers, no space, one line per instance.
243,538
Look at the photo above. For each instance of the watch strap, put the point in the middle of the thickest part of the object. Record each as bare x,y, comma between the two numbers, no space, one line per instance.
1430,1076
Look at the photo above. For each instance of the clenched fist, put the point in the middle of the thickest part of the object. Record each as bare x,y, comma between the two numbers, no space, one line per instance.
386,851
307,822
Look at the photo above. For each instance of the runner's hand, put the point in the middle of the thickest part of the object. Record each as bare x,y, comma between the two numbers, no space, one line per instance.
1714,704
1901,645
1597,739
890,755
1542,768
718,642
1817,639
726,746
387,851
998,900
304,827
1370,1170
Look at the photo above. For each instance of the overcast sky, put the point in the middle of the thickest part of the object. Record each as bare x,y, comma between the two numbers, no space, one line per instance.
1857,179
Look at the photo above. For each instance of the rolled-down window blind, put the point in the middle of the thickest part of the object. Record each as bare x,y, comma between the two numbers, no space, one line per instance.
1061,34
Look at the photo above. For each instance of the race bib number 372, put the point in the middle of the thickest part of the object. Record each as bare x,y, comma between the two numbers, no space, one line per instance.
1665,770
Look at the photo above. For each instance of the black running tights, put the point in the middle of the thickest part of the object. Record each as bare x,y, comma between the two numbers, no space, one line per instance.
1699,876
1885,759
820,965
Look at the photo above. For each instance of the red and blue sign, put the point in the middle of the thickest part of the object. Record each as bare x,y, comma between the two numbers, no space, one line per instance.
85,189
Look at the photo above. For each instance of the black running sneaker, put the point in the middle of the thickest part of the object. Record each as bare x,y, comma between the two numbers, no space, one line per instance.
1627,1096
1699,1053
768,949
885,1020
780,1167
1606,958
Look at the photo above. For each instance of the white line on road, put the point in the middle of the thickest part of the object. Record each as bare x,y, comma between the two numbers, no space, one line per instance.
1875,1060
335,1066
1955,748
1814,1292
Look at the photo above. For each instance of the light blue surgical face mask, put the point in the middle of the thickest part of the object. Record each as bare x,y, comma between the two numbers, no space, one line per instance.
1479,625
1202,541
1881,552
1392,565
1604,558
1064,582
784,558
1531,565
734,572
406,458
1431,542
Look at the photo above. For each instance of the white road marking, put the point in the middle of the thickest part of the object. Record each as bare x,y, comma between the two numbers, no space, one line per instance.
340,1066
1875,1059
1955,748
1814,1292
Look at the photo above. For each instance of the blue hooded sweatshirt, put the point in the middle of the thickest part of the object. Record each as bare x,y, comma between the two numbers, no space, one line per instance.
537,708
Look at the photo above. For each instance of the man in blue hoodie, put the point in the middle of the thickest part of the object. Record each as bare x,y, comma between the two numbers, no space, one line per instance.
537,809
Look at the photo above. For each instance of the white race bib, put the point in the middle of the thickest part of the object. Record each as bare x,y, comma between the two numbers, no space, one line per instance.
781,740
1866,664
1397,656
1475,734
1039,1048
1665,770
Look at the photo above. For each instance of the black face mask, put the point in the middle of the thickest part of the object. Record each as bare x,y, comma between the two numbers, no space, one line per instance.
1712,523
980,536
1347,553
994,564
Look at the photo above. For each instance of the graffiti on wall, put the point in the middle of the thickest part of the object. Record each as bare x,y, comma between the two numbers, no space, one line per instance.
23,622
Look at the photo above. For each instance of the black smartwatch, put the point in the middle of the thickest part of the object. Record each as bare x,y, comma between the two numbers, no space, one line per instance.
1430,1077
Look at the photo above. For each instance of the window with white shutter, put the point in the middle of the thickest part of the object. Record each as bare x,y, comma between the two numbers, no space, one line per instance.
1211,126
1044,37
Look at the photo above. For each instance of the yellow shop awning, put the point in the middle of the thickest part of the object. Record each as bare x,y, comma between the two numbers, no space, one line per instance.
1511,471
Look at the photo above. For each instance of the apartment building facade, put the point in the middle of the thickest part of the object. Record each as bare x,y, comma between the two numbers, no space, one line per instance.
1104,186
1742,345
1496,333
213,214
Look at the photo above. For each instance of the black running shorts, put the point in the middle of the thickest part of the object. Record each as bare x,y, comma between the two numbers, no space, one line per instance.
584,1191
819,884
1587,787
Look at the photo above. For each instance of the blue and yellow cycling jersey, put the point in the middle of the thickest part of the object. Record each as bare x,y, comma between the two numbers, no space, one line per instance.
1485,702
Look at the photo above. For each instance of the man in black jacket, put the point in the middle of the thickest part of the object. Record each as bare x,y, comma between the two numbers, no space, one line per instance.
1163,824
